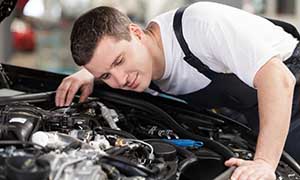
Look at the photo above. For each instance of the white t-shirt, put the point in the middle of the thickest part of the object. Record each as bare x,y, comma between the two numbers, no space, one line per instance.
224,38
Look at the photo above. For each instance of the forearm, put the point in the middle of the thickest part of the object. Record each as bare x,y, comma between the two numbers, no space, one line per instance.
275,95
274,124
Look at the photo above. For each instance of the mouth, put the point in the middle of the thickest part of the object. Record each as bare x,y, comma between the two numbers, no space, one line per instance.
133,84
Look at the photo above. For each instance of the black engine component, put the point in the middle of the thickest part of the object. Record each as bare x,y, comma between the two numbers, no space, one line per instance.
19,121
164,150
26,167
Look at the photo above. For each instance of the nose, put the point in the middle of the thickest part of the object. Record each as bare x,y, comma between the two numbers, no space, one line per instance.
119,77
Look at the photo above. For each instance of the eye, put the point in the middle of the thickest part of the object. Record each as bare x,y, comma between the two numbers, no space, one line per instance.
118,62
105,76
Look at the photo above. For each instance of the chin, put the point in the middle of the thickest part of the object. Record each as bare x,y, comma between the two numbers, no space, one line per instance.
143,86
139,89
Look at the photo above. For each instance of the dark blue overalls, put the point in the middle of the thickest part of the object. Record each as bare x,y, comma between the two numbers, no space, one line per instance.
227,90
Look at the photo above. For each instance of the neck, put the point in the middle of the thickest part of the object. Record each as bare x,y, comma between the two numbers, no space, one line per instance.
155,48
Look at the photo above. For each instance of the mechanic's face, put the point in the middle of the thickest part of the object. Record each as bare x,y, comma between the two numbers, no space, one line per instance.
122,64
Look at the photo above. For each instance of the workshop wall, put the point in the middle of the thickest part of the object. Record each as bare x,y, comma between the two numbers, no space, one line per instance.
37,35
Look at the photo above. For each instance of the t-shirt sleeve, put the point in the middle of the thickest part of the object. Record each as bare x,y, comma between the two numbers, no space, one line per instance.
239,46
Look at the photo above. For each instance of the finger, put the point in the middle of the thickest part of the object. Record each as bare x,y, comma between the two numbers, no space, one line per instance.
83,97
85,94
259,176
247,173
71,93
234,162
255,176
61,93
236,174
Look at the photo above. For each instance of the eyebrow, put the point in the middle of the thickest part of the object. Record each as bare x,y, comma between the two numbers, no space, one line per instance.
114,62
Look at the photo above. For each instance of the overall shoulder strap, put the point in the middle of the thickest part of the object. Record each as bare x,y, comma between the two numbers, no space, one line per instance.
189,56
287,27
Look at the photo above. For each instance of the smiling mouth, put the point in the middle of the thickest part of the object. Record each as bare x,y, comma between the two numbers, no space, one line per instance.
133,84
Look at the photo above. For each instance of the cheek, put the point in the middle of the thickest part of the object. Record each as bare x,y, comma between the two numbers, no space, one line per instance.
140,55
144,63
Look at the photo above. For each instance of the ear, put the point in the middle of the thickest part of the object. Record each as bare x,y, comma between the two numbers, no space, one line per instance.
136,30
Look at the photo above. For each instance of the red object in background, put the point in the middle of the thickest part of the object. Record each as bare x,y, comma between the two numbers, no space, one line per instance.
23,36
21,4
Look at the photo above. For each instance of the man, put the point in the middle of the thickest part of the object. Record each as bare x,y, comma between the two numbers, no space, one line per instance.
218,57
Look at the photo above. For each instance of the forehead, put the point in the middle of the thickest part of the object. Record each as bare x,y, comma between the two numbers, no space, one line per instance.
107,50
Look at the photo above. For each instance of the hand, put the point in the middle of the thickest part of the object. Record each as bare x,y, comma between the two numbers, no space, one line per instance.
251,170
70,85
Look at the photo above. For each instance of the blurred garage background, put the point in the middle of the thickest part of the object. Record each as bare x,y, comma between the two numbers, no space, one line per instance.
37,33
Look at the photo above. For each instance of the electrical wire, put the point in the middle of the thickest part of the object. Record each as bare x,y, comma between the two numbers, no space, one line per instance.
138,166
167,120
151,155
120,133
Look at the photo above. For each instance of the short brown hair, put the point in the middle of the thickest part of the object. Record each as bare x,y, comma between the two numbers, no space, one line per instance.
91,27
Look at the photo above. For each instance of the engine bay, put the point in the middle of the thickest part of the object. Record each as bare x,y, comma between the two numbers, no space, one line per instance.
92,140
114,136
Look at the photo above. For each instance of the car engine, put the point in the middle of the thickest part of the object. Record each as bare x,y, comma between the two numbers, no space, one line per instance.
117,137
87,141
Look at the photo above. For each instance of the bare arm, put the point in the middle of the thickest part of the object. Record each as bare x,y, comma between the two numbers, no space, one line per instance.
275,86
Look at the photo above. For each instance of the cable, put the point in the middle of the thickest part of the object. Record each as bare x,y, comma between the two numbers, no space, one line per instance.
190,158
121,133
151,155
226,174
140,167
290,161
167,120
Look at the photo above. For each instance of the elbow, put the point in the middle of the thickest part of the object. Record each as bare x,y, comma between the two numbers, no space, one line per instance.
288,82
274,74
293,82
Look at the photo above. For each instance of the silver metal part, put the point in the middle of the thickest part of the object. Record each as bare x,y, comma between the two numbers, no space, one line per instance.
75,165
110,115
100,142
